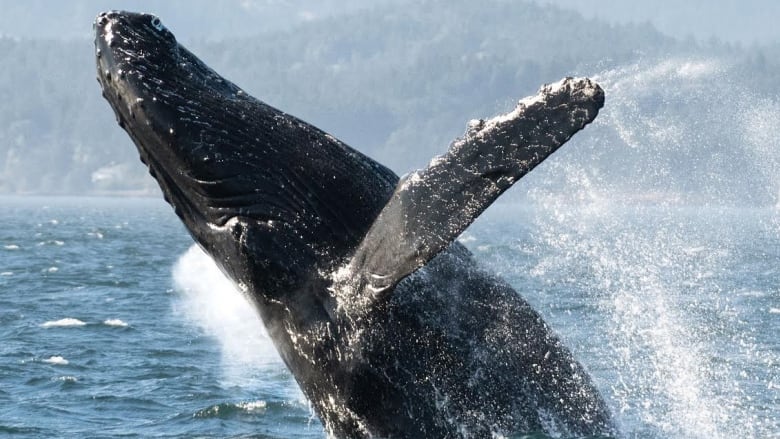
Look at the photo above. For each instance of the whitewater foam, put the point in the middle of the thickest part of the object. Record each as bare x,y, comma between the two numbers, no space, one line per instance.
63,323
115,323
66,379
56,360
228,409
253,406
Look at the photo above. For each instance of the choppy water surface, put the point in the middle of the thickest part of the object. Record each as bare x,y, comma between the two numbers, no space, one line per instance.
112,325
97,341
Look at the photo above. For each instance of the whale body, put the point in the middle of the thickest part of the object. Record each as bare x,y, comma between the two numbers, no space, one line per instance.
388,324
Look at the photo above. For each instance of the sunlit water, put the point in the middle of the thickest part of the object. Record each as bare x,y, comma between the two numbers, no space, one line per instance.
112,324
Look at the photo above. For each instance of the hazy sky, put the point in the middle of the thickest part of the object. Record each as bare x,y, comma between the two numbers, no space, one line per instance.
745,21
205,19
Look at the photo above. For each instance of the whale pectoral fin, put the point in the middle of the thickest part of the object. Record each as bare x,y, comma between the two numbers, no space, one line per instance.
431,207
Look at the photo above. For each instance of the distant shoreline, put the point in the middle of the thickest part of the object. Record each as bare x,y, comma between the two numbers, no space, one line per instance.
90,194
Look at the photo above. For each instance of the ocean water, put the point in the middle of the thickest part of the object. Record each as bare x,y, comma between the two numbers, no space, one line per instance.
98,340
113,325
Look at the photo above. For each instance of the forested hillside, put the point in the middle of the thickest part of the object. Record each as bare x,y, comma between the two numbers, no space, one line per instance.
397,82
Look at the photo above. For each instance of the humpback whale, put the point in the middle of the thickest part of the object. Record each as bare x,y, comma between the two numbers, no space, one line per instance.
388,324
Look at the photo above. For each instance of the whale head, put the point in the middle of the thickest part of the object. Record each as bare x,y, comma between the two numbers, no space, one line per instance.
265,194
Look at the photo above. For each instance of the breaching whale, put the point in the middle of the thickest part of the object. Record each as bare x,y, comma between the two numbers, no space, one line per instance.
388,324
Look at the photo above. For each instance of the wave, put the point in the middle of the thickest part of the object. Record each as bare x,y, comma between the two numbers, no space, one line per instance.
115,323
229,409
21,430
63,323
66,379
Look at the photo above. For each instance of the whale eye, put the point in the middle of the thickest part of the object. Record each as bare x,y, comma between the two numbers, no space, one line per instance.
157,24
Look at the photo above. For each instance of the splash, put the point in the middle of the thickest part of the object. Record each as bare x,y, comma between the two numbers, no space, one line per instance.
623,208
211,301
675,132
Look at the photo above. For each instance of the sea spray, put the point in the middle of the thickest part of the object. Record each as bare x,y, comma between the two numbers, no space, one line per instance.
636,210
676,131
211,301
